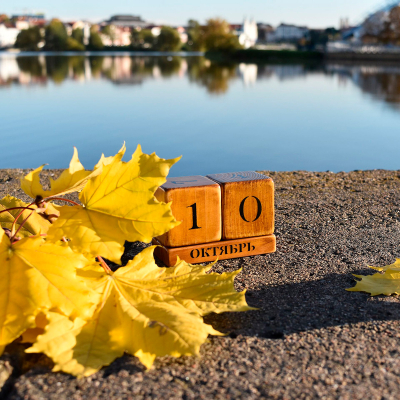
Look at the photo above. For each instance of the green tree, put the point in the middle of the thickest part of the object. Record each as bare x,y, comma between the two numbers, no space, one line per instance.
95,41
142,39
195,36
218,36
74,45
168,40
28,39
109,30
77,34
55,36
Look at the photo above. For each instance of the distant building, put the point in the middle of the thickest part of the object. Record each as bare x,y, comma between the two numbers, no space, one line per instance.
288,32
85,26
8,36
120,36
248,33
126,21
264,32
182,34
25,21
344,23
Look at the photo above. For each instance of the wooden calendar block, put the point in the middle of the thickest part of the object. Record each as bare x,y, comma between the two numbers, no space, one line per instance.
196,201
247,204
218,250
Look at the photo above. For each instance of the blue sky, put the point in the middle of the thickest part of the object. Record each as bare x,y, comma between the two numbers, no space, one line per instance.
306,12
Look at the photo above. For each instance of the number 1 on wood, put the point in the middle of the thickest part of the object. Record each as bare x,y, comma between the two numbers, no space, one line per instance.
194,216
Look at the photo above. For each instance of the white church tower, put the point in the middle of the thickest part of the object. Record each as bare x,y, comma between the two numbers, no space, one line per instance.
248,35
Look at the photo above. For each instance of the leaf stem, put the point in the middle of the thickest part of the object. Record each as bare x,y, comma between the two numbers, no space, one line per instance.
17,217
104,265
16,208
62,199
20,226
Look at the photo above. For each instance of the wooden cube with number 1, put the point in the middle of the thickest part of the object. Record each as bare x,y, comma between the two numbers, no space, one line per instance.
196,202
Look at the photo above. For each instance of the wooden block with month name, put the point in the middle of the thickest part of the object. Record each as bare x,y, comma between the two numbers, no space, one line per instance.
247,204
196,201
217,250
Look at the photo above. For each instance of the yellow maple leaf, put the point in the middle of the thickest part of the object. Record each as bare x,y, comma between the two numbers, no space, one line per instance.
387,283
394,267
108,160
34,225
71,180
38,276
118,205
144,310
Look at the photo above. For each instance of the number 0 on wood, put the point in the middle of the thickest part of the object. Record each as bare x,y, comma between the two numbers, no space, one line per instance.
259,209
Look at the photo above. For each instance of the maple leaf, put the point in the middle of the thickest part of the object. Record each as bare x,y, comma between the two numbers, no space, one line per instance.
38,276
108,160
144,310
34,225
118,205
387,283
71,180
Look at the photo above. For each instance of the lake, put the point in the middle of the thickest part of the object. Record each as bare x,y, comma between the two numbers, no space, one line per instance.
220,118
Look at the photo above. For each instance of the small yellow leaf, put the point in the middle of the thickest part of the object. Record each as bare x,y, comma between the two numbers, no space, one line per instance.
395,266
386,283
71,180
38,276
118,205
33,226
144,310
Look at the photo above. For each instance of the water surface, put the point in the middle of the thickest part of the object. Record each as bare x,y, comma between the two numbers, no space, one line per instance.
220,118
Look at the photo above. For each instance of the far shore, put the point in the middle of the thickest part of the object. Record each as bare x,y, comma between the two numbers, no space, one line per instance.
243,56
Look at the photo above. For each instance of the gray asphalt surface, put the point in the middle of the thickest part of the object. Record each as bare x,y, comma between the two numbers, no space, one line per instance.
309,339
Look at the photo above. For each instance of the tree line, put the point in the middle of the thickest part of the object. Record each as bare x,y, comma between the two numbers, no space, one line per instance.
215,35
383,28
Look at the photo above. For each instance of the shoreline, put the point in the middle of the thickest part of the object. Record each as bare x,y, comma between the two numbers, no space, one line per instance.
246,56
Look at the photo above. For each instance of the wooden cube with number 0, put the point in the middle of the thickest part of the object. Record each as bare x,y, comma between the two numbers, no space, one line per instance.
196,202
247,204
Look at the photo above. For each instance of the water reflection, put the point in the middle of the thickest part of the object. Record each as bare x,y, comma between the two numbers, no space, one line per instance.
382,82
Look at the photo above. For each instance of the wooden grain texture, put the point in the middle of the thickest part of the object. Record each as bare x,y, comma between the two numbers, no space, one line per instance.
218,250
247,204
196,202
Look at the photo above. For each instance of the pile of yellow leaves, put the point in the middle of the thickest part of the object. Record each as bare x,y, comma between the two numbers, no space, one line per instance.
57,291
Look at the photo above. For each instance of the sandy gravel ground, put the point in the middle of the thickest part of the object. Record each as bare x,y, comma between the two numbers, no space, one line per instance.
309,339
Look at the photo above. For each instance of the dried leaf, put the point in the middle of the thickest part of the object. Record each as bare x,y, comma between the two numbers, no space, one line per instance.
118,205
38,276
71,180
144,310
381,283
